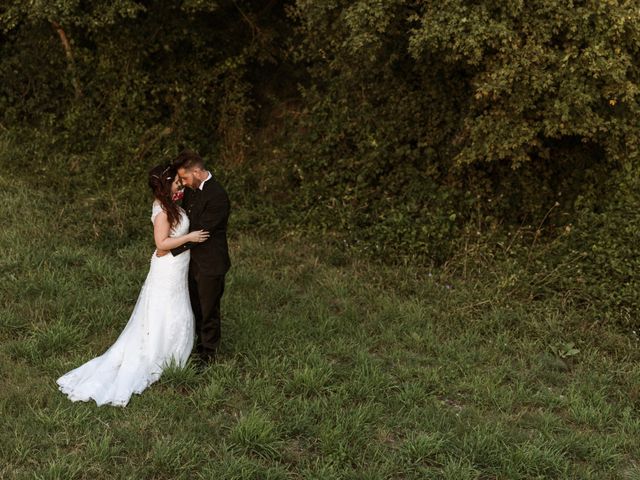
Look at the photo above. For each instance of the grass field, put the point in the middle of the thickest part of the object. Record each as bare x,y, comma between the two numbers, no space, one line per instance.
331,368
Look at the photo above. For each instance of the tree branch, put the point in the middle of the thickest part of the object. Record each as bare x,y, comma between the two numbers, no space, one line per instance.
69,54
254,29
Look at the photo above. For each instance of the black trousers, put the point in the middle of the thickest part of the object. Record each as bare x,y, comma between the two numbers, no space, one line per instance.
205,293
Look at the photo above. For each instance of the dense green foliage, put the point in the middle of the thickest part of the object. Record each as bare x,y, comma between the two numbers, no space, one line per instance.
165,69
507,107
407,129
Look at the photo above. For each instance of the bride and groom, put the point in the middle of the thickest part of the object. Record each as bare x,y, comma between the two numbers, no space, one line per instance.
181,294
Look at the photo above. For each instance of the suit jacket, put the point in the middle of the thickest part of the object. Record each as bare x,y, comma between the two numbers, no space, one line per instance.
208,210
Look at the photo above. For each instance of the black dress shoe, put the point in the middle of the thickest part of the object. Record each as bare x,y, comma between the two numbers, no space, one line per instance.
207,358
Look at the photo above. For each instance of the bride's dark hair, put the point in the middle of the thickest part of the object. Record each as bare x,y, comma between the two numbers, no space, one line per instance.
160,179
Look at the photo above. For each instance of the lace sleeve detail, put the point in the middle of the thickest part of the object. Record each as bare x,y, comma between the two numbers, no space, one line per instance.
156,208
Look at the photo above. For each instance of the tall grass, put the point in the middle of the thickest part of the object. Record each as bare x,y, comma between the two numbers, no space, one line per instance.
344,370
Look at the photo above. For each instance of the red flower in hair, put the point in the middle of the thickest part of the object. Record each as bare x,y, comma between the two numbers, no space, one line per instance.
178,195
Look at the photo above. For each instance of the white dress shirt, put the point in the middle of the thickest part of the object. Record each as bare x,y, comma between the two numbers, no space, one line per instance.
202,184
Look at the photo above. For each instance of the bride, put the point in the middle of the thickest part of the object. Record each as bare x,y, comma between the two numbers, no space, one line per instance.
160,330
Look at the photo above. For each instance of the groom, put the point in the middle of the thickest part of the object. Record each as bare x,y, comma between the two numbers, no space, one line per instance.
207,206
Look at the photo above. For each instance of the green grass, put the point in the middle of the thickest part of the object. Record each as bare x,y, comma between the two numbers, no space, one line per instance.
329,368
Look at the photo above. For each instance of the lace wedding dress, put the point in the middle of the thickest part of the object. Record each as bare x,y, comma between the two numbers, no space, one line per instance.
160,331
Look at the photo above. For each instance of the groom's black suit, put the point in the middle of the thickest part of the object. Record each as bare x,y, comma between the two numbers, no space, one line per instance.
207,209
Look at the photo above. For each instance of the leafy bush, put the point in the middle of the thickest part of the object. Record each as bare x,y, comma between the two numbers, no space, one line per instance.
394,127
417,113
604,241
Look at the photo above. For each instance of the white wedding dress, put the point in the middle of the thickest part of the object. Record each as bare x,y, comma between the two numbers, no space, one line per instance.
160,331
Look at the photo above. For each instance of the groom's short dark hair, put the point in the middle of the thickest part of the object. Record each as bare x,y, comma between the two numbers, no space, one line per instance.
188,159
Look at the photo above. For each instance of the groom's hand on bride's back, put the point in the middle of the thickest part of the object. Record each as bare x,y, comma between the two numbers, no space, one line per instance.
161,253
